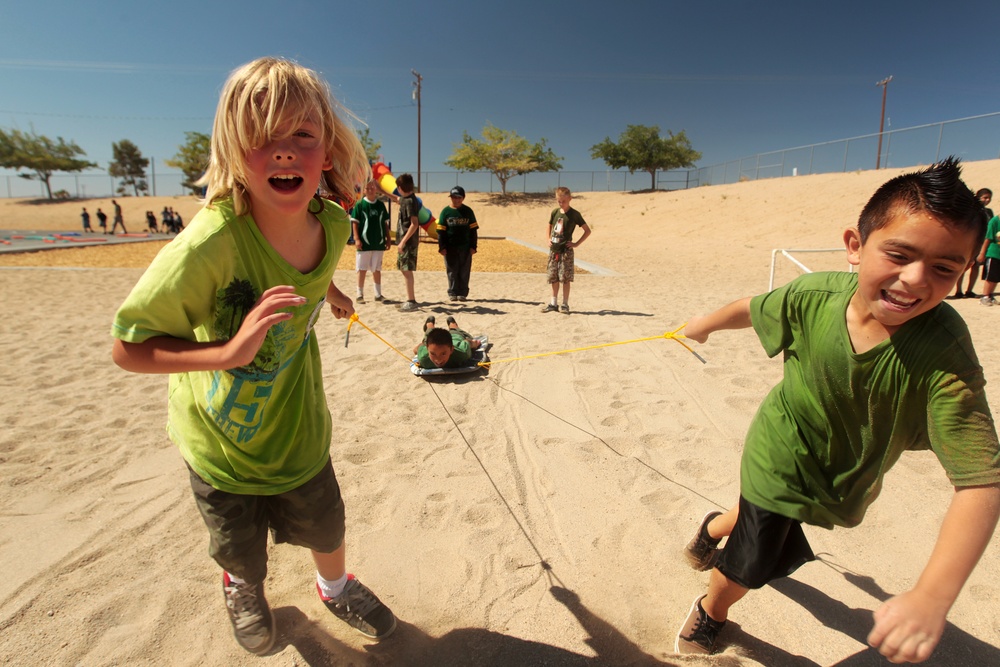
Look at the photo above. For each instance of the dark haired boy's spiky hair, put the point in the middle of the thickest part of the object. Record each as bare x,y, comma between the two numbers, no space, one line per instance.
937,190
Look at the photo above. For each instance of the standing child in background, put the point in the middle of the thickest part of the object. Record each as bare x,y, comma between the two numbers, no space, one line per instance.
86,221
874,365
151,221
407,237
562,223
458,239
370,223
119,220
985,195
989,257
102,220
228,310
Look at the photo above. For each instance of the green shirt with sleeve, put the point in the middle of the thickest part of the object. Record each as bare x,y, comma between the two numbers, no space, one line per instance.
263,428
824,437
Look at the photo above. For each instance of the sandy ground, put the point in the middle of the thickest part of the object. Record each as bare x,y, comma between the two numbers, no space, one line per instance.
533,515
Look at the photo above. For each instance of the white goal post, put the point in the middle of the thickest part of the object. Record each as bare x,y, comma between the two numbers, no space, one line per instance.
786,252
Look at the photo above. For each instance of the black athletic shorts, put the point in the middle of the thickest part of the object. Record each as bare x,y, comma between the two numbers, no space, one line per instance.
763,546
991,270
311,516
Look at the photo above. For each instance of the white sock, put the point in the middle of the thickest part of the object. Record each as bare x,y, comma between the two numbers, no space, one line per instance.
552,302
331,589
378,289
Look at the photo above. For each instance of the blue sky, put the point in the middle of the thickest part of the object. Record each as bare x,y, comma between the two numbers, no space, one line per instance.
738,77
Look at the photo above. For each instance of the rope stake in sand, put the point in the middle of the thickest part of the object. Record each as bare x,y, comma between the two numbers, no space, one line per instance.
670,335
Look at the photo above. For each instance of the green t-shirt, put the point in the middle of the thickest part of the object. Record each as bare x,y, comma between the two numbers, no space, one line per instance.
561,228
993,236
459,356
372,217
456,228
825,436
264,428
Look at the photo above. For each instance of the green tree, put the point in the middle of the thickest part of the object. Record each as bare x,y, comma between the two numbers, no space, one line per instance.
372,147
129,166
40,155
192,159
504,153
641,148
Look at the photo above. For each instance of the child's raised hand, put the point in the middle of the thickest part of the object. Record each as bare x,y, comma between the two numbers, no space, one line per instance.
243,347
908,627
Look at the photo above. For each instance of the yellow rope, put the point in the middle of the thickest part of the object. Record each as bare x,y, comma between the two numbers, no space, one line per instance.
670,335
355,318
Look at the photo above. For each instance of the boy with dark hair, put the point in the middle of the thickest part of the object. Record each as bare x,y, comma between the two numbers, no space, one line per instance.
444,348
407,237
989,258
985,195
874,365
458,237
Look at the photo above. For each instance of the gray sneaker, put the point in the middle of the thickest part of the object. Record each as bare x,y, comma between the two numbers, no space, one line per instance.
564,309
361,609
379,297
360,299
253,623
408,306
987,301
550,308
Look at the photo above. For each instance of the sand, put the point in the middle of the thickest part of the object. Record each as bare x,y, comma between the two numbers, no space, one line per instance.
531,516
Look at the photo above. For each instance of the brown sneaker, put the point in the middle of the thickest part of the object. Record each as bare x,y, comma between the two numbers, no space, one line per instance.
699,632
253,623
702,551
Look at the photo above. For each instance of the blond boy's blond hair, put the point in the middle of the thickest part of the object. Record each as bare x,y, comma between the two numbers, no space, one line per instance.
563,190
256,100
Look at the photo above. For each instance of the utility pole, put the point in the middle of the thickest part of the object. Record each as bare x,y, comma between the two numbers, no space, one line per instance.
416,96
881,124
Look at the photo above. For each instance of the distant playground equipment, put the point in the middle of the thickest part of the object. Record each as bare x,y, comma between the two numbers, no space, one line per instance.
387,182
805,269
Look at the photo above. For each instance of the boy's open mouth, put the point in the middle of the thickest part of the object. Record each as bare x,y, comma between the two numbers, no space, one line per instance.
899,301
285,183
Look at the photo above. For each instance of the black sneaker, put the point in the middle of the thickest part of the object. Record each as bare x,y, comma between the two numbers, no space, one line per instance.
699,632
379,297
361,609
253,623
702,551
360,299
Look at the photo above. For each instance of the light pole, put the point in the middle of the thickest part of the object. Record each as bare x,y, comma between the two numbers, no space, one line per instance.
885,87
416,96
